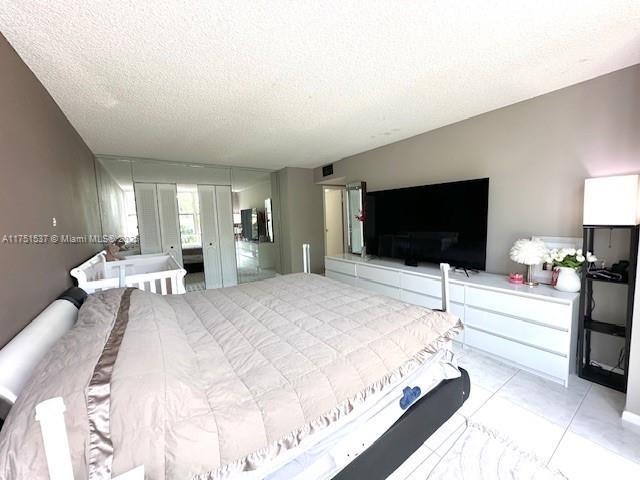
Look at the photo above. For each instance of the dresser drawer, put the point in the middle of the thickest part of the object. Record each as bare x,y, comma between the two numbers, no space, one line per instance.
422,300
553,365
379,275
345,268
378,288
341,277
547,338
427,301
548,313
430,286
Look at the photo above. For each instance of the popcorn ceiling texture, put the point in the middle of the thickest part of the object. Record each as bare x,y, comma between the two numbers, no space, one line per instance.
302,83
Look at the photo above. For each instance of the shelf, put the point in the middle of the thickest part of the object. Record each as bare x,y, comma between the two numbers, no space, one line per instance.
604,377
606,280
607,227
588,325
604,327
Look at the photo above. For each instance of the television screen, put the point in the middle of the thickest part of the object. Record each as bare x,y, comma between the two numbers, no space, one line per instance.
446,222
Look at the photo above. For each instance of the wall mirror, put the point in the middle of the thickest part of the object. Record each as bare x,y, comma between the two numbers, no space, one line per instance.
356,216
257,251
117,200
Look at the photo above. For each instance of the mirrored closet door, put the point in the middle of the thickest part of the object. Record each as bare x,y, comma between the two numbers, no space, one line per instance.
255,194
217,236
157,209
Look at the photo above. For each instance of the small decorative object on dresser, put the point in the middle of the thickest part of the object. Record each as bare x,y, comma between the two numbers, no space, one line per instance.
542,273
566,263
516,278
528,252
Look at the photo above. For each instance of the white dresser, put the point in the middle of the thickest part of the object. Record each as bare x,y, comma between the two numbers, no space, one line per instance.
532,328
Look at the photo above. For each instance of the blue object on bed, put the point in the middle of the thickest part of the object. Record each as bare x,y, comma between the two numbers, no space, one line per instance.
409,395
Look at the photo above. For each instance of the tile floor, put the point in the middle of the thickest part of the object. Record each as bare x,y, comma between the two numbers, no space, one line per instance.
576,430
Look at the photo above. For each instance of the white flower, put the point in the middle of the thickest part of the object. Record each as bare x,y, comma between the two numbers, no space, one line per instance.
580,258
571,251
548,259
591,258
528,252
579,251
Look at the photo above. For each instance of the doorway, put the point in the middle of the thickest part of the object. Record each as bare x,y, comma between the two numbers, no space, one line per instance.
334,237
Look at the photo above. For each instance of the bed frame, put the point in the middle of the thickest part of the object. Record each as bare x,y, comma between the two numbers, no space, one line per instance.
405,436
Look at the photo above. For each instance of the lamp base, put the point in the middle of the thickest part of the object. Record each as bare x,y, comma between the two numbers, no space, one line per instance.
529,281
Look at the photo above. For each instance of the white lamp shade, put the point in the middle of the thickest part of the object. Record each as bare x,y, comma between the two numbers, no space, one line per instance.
612,200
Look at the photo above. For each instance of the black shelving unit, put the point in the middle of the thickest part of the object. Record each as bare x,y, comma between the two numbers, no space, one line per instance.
588,324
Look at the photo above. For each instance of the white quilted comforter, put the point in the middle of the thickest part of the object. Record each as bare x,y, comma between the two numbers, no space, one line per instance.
214,383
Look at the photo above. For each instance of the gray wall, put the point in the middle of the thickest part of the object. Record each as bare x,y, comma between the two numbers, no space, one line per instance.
537,154
47,171
301,219
254,196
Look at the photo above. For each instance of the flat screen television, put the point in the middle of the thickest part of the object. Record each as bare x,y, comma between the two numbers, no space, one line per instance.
446,222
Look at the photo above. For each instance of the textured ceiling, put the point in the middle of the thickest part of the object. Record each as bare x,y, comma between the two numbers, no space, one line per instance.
301,83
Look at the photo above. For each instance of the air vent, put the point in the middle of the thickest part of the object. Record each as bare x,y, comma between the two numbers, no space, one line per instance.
327,170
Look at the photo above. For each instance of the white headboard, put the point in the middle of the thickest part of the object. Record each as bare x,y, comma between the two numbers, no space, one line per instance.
20,356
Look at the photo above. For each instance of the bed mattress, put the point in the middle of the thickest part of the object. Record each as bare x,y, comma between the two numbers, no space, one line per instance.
222,383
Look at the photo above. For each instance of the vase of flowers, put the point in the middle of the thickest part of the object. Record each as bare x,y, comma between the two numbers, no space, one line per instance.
567,262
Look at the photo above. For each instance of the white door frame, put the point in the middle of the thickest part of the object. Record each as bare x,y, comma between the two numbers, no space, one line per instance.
324,215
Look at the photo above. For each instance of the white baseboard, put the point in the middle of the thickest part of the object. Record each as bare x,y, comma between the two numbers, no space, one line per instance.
631,420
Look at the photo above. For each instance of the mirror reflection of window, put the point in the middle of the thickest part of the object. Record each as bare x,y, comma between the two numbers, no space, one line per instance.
131,215
189,216
191,236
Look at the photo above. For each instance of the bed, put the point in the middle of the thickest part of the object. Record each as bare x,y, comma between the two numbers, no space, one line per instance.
297,376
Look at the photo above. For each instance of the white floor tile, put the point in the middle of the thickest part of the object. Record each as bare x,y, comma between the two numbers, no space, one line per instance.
411,463
440,435
453,438
526,429
544,397
477,397
490,374
599,420
581,459
425,468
